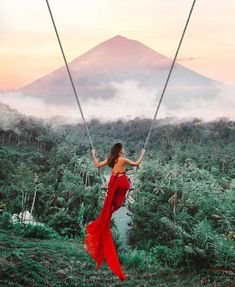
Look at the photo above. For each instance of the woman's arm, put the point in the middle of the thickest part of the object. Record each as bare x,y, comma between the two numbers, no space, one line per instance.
98,163
135,163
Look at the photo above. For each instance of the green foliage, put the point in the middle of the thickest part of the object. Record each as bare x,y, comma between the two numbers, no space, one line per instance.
191,161
58,263
136,259
34,231
171,257
202,216
224,251
5,220
65,224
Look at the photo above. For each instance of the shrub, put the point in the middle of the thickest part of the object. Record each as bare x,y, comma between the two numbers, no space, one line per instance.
65,224
35,231
135,259
224,252
5,220
165,256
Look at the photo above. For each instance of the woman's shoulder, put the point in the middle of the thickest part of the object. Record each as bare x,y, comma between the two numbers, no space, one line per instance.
123,159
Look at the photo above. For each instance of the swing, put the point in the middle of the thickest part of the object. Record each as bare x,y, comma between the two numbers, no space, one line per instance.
98,240
104,187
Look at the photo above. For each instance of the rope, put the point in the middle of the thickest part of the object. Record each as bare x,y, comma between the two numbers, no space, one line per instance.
163,91
169,75
166,83
70,76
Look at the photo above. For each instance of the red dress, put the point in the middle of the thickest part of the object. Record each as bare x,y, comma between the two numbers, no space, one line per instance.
98,241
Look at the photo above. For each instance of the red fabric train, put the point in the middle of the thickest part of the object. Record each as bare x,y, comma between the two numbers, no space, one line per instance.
98,241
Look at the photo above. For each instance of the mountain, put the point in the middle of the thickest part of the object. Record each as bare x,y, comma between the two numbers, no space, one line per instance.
99,74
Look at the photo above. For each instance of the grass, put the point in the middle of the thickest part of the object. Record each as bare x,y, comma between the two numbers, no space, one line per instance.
55,262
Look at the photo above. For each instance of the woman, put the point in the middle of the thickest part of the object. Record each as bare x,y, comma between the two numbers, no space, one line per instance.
98,241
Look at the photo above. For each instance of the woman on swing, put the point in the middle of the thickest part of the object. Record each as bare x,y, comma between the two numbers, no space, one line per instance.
98,241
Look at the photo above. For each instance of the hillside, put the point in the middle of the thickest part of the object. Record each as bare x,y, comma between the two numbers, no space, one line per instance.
188,241
54,263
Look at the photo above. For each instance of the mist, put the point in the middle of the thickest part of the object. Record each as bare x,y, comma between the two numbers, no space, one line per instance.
37,107
130,100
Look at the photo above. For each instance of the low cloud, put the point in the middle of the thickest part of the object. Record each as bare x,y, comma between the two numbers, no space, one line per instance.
222,104
131,100
32,106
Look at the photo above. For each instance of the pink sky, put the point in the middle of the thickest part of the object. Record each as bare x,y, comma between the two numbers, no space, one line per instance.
29,48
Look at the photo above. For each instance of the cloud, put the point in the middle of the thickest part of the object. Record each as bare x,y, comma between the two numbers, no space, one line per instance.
208,108
32,106
132,100
8,118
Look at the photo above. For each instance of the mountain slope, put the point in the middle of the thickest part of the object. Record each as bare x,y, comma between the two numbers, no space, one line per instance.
119,60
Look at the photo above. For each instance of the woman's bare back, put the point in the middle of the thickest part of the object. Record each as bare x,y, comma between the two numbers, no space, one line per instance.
120,166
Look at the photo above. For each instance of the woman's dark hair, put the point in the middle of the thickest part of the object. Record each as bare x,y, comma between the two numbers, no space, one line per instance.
115,151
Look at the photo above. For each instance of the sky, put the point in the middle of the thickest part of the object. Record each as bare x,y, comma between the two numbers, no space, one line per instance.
29,47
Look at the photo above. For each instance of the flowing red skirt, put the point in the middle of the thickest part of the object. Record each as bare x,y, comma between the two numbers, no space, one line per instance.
98,241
